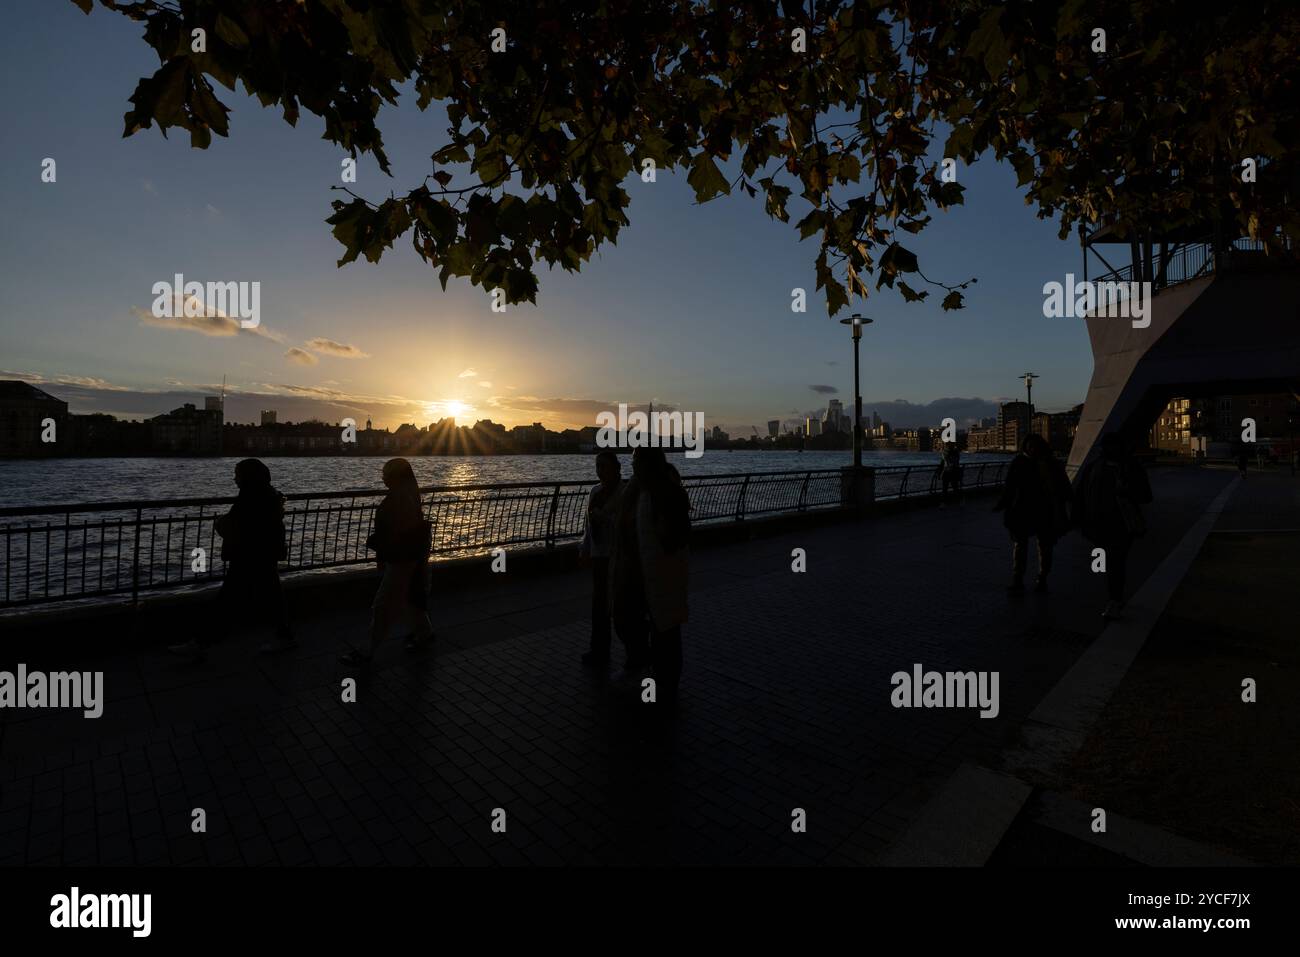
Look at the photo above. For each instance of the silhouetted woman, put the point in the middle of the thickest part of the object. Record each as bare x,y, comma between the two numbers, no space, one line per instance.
1107,500
1034,503
401,541
597,538
649,568
252,545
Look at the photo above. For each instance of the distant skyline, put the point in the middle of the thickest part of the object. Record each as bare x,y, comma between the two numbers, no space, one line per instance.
691,309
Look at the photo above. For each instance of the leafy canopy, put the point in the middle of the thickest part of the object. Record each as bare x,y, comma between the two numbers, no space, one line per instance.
543,135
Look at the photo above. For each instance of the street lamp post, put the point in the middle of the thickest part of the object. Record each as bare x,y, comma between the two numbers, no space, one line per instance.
1029,378
857,322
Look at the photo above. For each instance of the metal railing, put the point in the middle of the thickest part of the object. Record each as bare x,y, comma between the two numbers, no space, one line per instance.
1187,261
70,552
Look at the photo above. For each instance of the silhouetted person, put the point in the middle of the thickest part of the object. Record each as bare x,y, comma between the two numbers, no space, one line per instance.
1243,458
401,541
1034,502
950,466
1107,499
252,545
597,539
649,568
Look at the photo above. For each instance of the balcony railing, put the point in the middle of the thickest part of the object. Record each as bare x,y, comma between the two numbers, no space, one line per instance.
1187,261
65,553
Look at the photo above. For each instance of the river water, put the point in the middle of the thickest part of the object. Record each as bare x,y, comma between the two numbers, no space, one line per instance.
66,481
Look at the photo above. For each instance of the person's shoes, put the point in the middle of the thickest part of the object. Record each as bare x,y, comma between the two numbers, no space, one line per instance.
1016,588
191,650
276,645
1040,586
591,659
1114,611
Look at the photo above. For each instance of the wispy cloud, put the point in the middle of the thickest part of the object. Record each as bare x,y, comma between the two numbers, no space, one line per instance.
467,374
341,350
212,322
301,357
88,382
824,389
485,384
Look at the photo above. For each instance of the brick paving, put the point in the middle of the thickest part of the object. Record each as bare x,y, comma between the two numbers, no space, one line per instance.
784,705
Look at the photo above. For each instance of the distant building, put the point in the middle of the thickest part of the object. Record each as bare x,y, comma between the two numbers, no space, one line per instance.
773,428
914,440
187,430
1057,428
813,427
213,403
1014,422
835,420
268,417
718,436
24,410
102,434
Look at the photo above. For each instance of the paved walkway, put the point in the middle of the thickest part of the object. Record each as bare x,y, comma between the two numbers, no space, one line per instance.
785,705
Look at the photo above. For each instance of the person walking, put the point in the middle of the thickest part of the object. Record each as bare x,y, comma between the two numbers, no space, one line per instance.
252,546
1107,507
402,540
649,568
1034,503
597,539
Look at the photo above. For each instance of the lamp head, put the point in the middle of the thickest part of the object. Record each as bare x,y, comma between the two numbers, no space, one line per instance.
857,322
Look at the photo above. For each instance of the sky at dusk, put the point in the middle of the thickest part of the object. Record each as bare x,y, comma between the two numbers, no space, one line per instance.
691,309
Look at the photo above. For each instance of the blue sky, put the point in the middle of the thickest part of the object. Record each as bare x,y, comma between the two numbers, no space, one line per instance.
691,308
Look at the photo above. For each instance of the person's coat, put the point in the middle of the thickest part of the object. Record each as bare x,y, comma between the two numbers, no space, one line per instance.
665,574
645,576
252,532
1035,499
402,534
1107,499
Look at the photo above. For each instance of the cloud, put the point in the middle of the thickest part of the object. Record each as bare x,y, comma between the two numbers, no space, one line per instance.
88,382
212,323
485,384
340,350
824,389
467,374
301,357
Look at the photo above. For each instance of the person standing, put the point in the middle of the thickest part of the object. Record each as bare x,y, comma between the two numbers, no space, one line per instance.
402,540
1034,502
950,466
597,539
649,568
1107,508
252,546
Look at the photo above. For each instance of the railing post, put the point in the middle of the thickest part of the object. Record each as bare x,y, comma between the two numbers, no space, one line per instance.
803,492
902,488
135,559
740,502
550,519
